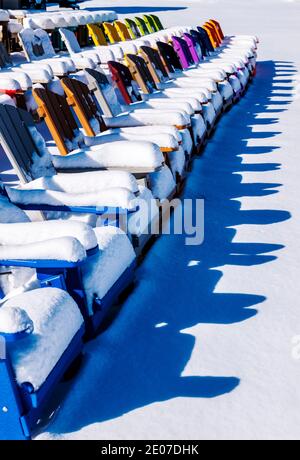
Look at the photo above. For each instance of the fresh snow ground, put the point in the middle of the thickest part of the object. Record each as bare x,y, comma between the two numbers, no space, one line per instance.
202,349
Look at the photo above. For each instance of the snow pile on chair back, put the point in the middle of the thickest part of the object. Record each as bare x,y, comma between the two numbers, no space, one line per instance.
70,40
56,319
41,162
4,16
103,270
37,44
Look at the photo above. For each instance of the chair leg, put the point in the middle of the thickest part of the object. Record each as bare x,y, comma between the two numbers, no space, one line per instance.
10,404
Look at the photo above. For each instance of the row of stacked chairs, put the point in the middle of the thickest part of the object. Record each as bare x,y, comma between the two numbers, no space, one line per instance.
98,136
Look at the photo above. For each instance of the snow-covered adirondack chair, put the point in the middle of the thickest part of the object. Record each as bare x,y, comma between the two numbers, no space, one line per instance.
81,99
102,191
132,28
21,73
213,83
144,117
40,338
98,263
99,53
41,329
252,39
129,83
142,158
115,34
37,47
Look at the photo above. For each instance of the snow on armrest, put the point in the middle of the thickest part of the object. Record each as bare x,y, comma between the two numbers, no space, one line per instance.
162,129
87,182
31,232
60,66
116,50
21,77
128,155
112,197
149,117
67,249
106,54
85,60
7,83
15,323
163,140
165,104
36,74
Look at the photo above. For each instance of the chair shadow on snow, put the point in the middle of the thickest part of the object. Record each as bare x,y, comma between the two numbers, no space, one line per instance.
140,359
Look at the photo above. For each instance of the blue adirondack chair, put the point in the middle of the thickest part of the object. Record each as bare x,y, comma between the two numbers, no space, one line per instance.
43,340
94,301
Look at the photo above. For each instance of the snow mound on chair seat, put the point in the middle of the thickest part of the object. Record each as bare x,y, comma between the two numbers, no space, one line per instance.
102,271
187,142
120,154
56,319
86,182
140,221
162,183
198,127
177,161
33,232
7,82
13,320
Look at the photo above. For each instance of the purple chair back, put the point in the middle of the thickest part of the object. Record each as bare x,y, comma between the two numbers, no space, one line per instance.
194,48
183,52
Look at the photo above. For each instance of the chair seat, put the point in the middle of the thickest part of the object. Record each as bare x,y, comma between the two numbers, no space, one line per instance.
34,357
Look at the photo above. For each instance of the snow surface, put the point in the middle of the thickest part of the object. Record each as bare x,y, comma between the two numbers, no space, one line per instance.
203,348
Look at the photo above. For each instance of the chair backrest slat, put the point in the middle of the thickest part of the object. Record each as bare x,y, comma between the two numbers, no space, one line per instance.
23,145
104,93
141,25
122,30
111,32
141,74
133,28
169,56
55,111
157,22
80,98
97,35
5,60
124,82
154,61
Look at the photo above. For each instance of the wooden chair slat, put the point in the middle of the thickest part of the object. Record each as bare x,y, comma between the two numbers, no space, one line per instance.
54,118
15,156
